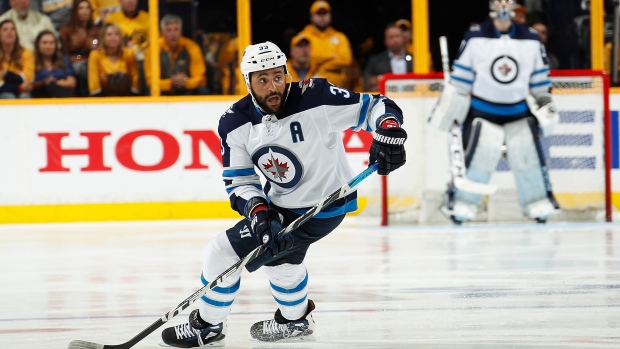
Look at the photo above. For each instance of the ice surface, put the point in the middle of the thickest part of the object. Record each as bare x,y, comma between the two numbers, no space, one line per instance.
475,286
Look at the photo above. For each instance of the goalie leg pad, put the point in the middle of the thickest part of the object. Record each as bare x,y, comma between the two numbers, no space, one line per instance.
451,106
481,156
528,165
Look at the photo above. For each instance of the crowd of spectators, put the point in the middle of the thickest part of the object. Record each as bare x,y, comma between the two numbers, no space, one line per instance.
62,48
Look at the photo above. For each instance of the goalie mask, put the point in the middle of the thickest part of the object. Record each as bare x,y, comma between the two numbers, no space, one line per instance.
263,56
502,9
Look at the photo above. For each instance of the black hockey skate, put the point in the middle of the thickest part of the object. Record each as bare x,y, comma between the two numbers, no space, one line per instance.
194,334
281,329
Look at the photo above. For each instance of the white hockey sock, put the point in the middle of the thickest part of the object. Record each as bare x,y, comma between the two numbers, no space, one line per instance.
289,287
217,257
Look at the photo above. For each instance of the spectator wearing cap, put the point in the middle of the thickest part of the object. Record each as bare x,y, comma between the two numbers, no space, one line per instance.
330,49
520,14
405,26
394,59
299,64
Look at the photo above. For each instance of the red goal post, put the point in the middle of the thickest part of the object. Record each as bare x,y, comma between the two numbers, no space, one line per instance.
578,154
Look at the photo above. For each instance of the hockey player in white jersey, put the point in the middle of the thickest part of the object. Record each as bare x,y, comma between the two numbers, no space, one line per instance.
498,65
290,133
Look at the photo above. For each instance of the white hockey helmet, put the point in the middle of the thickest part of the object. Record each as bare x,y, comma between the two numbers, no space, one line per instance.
502,9
262,56
265,55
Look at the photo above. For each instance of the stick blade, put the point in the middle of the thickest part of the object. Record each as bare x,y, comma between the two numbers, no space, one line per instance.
474,187
77,344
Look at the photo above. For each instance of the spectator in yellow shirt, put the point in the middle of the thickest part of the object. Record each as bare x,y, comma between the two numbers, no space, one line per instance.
183,70
112,68
134,24
104,8
227,60
330,49
299,64
16,64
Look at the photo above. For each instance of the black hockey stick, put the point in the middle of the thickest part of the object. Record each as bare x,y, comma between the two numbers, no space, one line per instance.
344,190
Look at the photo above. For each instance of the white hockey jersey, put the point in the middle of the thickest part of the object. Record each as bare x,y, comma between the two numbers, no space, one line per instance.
300,153
499,70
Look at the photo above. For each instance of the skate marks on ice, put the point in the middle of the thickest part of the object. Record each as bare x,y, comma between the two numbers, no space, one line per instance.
517,286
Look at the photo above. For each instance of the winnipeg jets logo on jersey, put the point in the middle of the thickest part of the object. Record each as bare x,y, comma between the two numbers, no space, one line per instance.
275,167
504,69
279,165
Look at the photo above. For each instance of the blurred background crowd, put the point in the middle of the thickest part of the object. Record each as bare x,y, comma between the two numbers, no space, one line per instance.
63,48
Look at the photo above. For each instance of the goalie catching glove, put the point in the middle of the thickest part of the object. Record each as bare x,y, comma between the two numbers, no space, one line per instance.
388,146
545,112
266,224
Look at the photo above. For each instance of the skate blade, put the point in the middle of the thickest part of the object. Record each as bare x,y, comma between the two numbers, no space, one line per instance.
210,345
306,338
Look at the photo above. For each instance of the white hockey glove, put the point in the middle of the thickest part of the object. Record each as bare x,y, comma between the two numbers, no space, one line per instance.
545,112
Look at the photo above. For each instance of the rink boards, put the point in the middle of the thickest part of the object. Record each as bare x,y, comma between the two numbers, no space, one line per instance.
119,161
127,159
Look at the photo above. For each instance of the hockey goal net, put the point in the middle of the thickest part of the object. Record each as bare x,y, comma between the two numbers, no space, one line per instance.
577,153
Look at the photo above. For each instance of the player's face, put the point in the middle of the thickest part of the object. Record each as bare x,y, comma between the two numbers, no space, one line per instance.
47,45
268,89
84,11
171,34
8,35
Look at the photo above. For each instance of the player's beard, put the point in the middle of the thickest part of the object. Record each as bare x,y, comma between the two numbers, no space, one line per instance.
262,103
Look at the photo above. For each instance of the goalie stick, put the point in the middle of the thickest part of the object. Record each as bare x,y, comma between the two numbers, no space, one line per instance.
455,141
342,191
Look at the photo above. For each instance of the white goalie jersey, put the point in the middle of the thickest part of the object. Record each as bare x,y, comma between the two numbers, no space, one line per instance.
499,70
